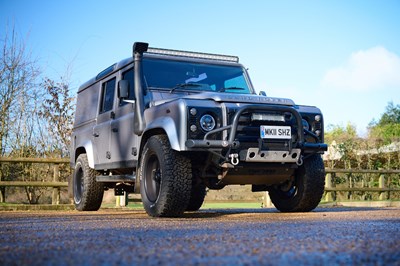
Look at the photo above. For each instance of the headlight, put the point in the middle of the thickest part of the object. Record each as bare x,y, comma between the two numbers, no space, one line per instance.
207,122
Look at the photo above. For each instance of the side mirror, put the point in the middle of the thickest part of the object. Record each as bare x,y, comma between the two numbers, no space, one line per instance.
123,89
262,93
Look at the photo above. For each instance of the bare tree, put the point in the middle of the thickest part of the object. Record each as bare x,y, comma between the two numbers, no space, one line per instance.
18,73
58,110
35,117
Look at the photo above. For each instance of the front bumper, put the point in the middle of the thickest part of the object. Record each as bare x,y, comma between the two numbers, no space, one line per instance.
231,142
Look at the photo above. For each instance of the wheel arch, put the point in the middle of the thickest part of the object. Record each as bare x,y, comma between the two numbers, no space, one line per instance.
86,148
163,126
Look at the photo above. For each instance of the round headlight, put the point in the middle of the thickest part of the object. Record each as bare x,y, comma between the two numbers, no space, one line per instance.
207,122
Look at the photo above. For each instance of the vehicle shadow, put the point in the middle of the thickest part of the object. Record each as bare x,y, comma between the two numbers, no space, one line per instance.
210,213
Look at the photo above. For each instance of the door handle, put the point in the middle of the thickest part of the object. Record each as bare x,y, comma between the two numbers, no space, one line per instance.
115,130
95,134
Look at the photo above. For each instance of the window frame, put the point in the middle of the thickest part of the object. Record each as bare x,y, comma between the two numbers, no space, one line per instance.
131,91
104,90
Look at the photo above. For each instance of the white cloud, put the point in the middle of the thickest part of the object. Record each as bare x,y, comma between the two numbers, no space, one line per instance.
365,70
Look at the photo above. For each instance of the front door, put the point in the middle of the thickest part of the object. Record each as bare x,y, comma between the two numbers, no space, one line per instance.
124,143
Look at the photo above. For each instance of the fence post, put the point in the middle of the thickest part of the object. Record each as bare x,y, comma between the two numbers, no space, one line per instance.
267,203
55,200
351,185
2,189
121,201
117,201
382,195
328,184
2,194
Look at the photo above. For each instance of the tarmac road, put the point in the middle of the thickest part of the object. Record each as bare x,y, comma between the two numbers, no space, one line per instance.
326,236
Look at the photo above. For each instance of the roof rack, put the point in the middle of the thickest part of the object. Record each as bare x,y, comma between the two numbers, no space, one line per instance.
218,57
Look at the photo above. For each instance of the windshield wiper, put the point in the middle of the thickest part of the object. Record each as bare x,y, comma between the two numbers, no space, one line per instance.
231,88
184,85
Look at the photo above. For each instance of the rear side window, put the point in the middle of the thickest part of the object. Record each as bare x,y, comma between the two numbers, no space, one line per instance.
107,97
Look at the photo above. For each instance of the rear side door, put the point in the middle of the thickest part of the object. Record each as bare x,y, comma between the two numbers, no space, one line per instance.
102,129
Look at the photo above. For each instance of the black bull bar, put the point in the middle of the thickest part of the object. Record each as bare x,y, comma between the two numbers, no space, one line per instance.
231,143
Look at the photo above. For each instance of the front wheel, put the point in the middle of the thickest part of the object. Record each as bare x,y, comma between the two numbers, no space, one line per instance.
165,179
304,192
87,192
197,197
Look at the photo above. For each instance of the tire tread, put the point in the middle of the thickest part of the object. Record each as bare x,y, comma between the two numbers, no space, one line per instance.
176,180
312,181
92,194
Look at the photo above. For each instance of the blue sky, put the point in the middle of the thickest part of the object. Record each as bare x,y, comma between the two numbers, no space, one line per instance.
342,56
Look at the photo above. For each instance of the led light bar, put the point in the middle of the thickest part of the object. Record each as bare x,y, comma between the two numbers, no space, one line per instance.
218,57
267,117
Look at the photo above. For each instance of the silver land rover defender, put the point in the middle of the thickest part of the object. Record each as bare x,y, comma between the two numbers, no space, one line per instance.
172,123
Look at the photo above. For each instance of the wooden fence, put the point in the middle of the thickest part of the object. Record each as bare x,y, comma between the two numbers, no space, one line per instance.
384,185
55,183
384,188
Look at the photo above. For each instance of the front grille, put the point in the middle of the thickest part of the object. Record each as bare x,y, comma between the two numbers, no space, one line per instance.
248,131
317,126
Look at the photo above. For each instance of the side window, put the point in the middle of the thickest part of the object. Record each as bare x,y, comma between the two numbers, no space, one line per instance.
128,75
107,97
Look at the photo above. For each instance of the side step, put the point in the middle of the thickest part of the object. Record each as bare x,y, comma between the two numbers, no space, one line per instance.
116,178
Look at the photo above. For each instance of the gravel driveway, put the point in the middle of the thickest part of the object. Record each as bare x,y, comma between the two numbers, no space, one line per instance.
327,236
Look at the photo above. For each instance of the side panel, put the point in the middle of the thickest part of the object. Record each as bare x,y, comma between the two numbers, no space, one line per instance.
102,135
85,115
88,145
83,140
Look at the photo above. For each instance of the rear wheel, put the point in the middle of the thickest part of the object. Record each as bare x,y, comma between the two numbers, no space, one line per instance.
165,178
88,194
304,192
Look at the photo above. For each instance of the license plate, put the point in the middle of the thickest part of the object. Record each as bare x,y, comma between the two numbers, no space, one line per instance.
275,132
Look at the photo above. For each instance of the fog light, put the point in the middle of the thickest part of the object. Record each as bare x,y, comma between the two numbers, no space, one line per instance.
193,111
318,133
193,128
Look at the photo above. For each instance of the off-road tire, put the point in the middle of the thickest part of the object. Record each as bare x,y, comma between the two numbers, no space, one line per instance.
87,193
165,178
197,196
304,193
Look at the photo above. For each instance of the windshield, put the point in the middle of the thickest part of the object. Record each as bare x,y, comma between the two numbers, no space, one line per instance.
190,76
